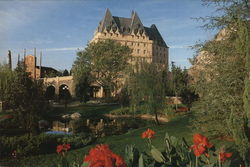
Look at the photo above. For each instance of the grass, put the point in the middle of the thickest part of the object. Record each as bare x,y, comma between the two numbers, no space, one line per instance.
117,143
178,127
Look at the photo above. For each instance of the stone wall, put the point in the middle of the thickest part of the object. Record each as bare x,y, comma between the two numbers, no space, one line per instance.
143,49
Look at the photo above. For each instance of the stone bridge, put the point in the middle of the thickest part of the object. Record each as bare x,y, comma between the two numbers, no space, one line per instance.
57,86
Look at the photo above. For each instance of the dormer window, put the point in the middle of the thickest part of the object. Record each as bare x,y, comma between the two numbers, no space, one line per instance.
141,31
108,28
128,29
114,28
136,31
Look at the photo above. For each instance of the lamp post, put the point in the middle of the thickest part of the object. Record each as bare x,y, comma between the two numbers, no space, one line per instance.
65,94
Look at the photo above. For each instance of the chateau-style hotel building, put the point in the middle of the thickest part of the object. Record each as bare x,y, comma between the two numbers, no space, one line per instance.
146,43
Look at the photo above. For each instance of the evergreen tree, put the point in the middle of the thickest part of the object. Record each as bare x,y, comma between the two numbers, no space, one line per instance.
25,97
223,78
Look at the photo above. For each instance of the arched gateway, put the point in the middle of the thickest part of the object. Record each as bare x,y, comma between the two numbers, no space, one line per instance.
56,86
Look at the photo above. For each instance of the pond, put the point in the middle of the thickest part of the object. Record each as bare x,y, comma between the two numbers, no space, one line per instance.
58,133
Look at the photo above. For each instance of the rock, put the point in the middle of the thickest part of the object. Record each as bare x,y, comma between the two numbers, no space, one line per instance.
75,115
66,116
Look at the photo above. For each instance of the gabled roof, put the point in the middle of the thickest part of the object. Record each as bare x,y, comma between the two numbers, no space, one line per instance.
128,26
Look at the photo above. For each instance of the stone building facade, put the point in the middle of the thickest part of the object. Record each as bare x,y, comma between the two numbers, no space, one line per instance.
146,43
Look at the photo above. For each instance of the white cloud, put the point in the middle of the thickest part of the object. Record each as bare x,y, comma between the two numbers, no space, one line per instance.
180,47
62,49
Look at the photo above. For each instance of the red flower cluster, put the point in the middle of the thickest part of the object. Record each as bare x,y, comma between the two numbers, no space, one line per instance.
149,133
224,155
102,156
8,116
200,144
62,147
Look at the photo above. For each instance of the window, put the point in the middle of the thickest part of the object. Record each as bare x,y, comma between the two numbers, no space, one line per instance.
131,43
144,52
144,45
138,44
138,51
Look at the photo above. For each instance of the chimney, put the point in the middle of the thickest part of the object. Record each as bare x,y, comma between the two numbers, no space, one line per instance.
9,60
34,63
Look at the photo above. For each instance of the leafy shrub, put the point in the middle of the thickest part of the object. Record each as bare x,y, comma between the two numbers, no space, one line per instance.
78,140
8,123
177,153
40,144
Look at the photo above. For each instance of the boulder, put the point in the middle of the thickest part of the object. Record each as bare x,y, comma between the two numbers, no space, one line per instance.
75,115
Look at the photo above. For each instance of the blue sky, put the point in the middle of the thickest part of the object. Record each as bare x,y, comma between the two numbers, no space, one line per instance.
59,27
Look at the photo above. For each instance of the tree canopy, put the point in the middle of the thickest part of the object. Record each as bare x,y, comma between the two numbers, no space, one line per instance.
103,62
222,76
146,85
23,95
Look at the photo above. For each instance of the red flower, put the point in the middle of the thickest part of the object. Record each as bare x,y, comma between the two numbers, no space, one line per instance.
224,155
149,133
63,147
102,156
198,150
200,145
8,116
199,139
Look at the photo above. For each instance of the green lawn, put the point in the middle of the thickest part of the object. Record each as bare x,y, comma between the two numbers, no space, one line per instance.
178,127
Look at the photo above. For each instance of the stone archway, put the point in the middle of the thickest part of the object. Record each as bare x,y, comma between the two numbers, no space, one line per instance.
64,92
50,92
57,82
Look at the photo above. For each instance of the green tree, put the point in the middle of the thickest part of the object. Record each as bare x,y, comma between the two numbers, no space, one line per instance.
146,85
223,78
82,74
6,76
26,98
106,62
180,85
